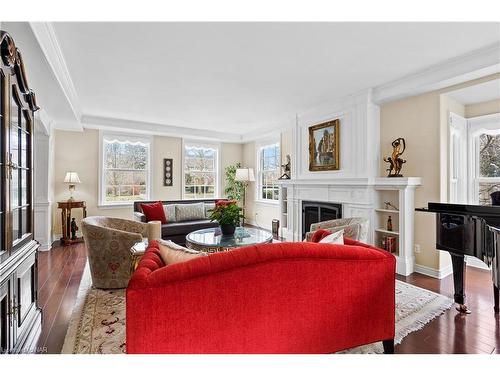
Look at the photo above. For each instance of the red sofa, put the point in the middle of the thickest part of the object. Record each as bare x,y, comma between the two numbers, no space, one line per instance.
271,298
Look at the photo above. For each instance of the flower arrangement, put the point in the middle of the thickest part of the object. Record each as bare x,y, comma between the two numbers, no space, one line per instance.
228,214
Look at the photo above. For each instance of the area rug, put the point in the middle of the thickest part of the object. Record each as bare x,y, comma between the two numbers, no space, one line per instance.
97,323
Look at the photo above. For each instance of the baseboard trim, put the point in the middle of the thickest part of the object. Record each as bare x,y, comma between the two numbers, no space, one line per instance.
45,247
474,262
432,272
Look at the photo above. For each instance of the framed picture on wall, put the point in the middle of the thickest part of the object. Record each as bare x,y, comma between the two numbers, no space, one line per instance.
168,172
324,146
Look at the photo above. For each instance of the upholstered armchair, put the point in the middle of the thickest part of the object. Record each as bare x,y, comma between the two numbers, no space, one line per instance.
356,228
108,241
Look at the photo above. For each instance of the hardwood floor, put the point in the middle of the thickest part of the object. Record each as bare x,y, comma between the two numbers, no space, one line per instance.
60,272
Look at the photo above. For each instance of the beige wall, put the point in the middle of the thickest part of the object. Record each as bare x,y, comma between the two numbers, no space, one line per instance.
231,153
167,147
79,151
417,120
481,109
422,121
265,212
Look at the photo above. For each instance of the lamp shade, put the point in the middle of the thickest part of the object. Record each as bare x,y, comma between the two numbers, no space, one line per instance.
244,174
72,178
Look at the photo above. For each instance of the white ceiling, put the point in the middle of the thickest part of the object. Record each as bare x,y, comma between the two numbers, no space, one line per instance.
482,92
236,78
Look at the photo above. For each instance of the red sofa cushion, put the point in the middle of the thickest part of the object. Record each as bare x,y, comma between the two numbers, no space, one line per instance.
154,211
319,235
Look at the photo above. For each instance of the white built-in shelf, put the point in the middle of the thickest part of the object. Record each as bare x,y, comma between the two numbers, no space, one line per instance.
381,230
387,210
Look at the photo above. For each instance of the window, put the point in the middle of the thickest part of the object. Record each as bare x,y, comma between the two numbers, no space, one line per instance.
486,164
125,167
474,158
268,172
201,175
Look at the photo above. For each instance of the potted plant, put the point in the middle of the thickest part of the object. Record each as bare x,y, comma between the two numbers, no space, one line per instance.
227,214
234,189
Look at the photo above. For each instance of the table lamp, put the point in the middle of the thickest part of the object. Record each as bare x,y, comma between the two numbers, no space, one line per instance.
72,179
244,175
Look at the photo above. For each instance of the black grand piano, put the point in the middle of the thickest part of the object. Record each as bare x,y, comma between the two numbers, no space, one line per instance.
463,229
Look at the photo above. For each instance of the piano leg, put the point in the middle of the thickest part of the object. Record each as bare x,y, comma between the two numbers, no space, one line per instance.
458,264
495,294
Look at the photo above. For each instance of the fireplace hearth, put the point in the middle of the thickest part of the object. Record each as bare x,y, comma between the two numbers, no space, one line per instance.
315,212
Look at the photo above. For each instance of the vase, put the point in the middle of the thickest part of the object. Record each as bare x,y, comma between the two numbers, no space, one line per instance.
227,229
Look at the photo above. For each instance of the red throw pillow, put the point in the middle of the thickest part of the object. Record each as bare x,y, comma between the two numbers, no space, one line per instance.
319,235
154,211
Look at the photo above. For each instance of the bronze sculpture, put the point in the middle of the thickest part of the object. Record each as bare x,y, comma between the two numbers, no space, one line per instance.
395,161
287,168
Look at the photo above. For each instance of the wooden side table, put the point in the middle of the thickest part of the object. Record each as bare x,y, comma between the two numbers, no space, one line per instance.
66,207
136,253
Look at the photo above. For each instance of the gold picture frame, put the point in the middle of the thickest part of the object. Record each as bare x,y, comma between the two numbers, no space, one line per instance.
324,146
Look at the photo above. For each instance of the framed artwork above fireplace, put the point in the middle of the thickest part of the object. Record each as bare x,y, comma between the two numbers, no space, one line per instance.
324,146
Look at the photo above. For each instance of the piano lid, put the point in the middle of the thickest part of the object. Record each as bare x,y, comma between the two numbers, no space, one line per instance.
462,209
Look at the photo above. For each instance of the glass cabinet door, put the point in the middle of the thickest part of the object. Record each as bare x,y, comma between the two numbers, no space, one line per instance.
4,102
20,173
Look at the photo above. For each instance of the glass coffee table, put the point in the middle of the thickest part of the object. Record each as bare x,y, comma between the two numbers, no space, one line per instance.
211,240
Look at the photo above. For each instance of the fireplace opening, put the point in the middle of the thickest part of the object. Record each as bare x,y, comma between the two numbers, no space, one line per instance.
315,212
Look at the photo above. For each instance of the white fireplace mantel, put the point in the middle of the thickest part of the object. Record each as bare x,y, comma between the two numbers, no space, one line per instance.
355,184
360,197
396,182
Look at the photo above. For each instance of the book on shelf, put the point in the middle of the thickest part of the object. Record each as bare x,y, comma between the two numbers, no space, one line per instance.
389,243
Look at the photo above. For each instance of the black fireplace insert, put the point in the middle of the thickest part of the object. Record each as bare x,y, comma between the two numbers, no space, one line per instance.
315,212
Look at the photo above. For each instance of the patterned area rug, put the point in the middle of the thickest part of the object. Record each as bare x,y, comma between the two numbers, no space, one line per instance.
97,324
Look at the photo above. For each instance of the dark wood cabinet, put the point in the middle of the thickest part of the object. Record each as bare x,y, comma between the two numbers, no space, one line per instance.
20,316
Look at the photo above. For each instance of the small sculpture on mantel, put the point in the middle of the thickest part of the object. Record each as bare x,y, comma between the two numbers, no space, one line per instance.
395,161
286,169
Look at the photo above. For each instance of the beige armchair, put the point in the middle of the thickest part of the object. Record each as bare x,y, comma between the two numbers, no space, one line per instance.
108,241
356,228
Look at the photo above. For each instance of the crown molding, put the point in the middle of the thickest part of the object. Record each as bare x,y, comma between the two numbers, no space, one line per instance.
141,127
269,130
46,36
473,65
46,123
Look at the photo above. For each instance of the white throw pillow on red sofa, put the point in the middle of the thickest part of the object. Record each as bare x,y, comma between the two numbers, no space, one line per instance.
334,238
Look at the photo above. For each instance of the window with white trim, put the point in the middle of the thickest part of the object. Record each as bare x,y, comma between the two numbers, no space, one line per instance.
125,169
201,170
485,144
268,172
474,158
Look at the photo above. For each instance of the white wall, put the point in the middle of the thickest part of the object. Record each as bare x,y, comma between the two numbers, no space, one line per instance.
359,148
42,186
359,137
